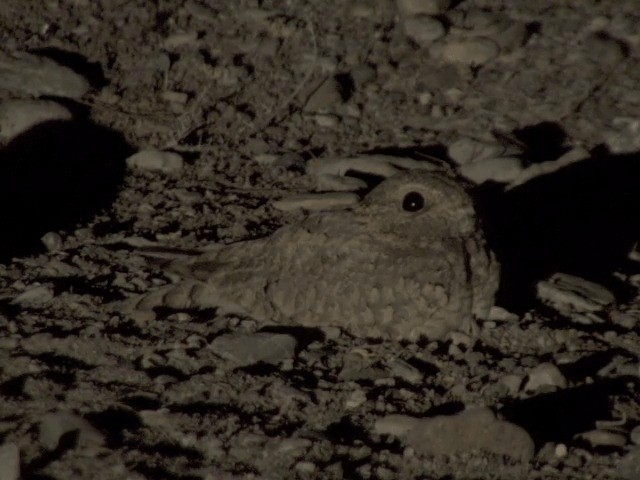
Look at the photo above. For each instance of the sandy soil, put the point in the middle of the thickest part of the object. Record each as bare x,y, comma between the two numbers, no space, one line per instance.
247,93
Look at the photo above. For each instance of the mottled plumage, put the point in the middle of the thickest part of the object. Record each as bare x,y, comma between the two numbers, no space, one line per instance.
408,260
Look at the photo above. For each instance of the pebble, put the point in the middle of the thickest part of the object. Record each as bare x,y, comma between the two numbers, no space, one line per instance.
156,160
54,425
423,29
9,462
467,150
545,374
327,95
249,349
603,438
498,169
18,116
34,296
52,240
568,293
634,436
469,51
316,201
473,429
512,382
22,72
422,7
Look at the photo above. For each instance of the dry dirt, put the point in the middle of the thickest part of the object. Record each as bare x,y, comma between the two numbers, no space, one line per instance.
247,92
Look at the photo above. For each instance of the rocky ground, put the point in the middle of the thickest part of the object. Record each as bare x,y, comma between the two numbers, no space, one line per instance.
231,107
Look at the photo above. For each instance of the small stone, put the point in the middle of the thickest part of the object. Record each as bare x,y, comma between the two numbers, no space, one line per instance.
22,72
627,320
178,40
35,296
423,29
52,240
500,314
634,436
396,425
172,96
316,201
305,468
603,438
469,51
512,382
560,450
400,368
545,374
423,7
327,95
54,425
249,349
156,160
9,462
467,150
498,169
325,120
18,116
473,429
568,294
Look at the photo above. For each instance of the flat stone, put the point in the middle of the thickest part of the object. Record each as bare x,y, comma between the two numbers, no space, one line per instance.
423,29
568,293
22,72
475,429
545,374
249,349
499,169
156,160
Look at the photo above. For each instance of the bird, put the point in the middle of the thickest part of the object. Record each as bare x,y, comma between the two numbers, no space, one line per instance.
408,261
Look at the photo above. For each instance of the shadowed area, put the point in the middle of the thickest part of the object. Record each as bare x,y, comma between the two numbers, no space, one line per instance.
54,176
581,220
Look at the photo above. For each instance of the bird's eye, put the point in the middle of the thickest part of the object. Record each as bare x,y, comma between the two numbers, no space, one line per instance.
412,202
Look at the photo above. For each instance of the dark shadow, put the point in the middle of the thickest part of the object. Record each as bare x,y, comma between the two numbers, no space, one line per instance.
54,176
580,220
113,423
92,71
558,416
542,142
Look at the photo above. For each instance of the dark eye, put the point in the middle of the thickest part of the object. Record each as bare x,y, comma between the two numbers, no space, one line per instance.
412,202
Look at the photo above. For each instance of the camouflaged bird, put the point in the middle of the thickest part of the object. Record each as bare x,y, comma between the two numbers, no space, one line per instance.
409,260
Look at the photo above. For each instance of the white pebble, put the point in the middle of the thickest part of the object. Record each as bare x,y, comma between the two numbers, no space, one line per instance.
34,296
26,73
156,160
498,169
545,374
52,240
423,29
316,201
467,150
419,7
18,116
470,51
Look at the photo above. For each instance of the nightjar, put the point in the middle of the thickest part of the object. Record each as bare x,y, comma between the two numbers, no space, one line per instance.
409,260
